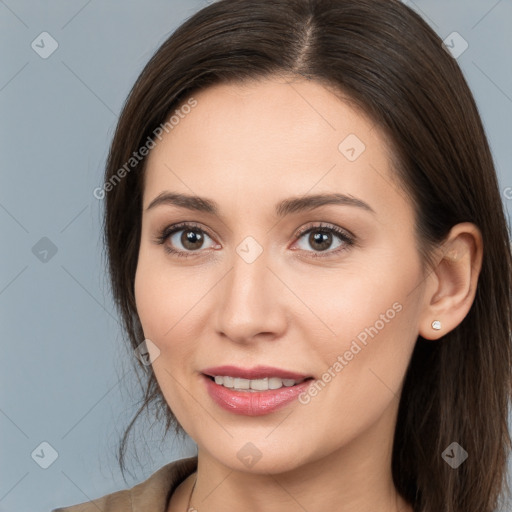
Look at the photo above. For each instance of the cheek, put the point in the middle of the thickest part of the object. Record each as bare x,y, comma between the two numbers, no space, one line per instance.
168,302
369,315
347,301
375,322
161,310
155,300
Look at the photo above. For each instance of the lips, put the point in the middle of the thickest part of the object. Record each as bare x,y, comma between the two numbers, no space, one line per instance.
257,403
261,399
258,372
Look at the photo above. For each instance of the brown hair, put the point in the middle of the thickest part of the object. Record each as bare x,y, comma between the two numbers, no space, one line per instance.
388,61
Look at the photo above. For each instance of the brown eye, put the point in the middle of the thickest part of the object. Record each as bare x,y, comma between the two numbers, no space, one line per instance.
328,239
320,240
184,240
191,239
187,239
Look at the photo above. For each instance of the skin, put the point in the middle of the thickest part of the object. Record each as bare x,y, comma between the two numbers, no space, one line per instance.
247,147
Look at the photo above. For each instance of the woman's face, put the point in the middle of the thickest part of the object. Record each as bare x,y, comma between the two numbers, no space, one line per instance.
264,280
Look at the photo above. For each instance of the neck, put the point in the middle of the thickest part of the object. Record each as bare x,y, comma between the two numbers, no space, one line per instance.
355,478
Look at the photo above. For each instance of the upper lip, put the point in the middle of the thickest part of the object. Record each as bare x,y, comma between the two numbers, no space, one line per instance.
257,372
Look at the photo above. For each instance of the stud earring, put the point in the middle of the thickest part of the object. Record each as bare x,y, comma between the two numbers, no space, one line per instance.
436,324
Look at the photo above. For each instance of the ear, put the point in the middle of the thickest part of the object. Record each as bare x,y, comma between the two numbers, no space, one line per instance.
451,285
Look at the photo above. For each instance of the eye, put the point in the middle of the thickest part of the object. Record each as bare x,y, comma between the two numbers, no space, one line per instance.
322,237
183,239
186,239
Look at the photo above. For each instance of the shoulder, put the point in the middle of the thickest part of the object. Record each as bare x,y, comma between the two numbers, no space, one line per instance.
152,494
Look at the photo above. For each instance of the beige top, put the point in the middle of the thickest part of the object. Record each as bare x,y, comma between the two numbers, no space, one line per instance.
151,495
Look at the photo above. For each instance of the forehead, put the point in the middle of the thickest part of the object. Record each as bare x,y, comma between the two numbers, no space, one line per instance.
271,139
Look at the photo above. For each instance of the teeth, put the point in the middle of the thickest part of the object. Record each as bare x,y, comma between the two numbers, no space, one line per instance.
241,383
252,385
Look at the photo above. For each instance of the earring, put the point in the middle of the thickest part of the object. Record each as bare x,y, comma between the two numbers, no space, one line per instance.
436,324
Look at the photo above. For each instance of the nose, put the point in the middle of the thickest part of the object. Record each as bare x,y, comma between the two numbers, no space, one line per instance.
250,302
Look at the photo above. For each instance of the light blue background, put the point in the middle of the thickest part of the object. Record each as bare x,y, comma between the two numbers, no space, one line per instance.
64,368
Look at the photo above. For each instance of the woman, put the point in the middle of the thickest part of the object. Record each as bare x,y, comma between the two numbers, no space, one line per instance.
308,249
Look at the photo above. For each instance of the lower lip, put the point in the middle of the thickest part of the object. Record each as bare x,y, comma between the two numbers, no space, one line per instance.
254,404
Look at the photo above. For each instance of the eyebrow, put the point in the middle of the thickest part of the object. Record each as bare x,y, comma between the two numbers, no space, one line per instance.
283,208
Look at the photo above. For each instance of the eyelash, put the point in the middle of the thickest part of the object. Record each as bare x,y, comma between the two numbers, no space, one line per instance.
347,239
